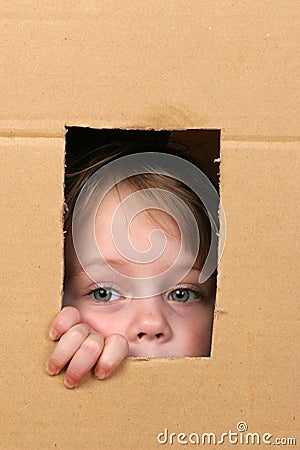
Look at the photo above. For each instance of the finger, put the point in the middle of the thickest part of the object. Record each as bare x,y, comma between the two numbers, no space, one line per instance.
65,319
84,359
115,350
68,345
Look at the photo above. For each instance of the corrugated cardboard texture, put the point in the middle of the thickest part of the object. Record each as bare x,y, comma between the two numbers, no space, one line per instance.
177,65
150,64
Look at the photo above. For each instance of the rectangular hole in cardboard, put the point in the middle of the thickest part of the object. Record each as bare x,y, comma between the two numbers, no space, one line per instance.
85,147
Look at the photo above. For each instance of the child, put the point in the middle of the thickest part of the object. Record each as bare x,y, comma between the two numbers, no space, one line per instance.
137,243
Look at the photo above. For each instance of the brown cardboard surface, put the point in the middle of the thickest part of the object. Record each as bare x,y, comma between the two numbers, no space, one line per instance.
178,65
252,375
151,64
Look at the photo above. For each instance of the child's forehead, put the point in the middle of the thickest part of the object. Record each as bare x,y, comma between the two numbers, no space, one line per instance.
140,229
134,213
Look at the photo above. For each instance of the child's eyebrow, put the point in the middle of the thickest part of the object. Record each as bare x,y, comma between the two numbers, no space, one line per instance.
98,263
116,263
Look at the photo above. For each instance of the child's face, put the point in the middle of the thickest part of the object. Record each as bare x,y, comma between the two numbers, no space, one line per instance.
176,323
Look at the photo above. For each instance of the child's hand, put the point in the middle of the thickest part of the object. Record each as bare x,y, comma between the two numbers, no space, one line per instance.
83,347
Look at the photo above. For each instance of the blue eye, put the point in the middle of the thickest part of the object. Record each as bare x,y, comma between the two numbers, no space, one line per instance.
105,294
183,295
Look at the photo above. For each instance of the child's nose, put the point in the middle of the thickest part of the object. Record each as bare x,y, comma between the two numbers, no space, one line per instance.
149,321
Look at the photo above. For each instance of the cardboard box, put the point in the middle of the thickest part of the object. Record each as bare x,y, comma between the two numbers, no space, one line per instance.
163,65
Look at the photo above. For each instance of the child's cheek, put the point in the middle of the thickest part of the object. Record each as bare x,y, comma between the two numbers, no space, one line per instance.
103,321
202,342
197,330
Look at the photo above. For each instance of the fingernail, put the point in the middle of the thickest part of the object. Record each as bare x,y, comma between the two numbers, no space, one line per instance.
51,370
69,383
53,335
100,374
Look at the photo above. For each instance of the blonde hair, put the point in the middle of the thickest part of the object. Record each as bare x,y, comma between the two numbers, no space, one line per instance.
76,179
